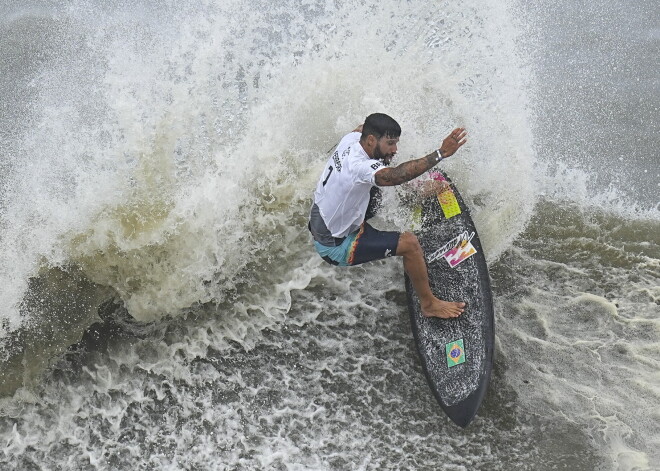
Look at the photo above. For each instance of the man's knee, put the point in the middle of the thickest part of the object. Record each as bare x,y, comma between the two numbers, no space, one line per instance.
408,244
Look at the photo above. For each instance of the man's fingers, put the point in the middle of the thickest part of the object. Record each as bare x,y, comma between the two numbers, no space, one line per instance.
456,139
459,135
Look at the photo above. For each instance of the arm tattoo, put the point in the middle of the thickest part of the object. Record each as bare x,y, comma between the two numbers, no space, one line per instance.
406,171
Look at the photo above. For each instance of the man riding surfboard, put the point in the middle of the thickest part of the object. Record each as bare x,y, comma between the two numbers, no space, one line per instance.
337,218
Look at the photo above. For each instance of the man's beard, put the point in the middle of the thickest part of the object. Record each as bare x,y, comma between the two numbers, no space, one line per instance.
386,158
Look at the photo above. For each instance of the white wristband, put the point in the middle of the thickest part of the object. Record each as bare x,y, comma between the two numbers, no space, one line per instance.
439,157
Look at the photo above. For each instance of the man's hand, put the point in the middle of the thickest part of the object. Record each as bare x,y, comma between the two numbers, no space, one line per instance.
414,168
433,187
452,142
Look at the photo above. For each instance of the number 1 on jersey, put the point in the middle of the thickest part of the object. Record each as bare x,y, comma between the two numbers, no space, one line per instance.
330,169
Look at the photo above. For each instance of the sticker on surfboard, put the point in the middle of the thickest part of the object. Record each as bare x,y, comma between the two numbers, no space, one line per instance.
448,203
455,251
446,198
455,352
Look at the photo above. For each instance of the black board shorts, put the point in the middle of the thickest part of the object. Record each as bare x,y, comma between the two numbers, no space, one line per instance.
365,245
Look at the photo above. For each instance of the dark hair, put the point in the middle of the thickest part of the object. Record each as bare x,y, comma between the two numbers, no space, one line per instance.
379,125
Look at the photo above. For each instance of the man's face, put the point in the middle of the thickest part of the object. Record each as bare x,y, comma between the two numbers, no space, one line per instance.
386,149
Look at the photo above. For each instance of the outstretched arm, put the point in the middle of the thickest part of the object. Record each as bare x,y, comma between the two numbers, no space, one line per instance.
414,168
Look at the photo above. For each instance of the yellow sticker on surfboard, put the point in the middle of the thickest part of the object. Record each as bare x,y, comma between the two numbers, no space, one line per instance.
446,197
449,203
417,217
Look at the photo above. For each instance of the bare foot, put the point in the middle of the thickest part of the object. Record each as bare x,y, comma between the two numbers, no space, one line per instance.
442,309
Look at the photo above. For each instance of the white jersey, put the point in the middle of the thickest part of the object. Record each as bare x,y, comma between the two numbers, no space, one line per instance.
342,194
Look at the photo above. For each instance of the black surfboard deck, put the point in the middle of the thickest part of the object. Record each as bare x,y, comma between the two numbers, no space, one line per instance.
456,354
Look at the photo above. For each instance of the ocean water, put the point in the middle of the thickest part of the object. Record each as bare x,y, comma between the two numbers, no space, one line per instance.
162,306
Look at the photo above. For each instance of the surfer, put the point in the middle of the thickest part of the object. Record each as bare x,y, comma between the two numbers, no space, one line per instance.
350,181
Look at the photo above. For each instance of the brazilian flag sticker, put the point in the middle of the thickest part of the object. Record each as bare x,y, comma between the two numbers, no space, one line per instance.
455,353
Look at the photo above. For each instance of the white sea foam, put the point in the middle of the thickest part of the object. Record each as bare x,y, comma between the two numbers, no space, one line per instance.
174,164
172,160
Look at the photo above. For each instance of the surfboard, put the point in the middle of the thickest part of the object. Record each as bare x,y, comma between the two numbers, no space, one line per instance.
456,354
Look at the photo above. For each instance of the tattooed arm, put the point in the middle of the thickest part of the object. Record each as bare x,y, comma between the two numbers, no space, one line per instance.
406,171
414,168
